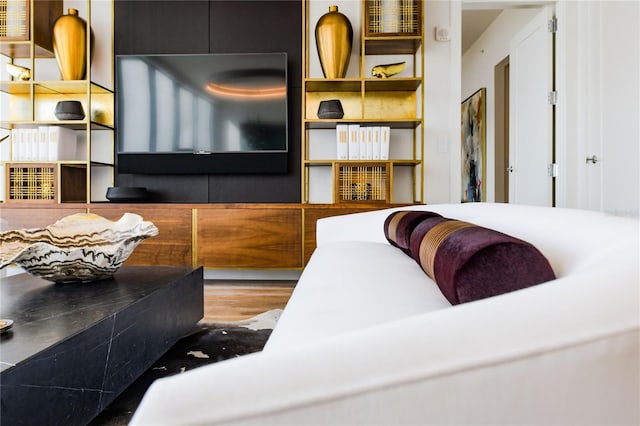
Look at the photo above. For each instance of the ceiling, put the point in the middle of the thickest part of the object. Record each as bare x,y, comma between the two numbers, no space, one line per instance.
474,23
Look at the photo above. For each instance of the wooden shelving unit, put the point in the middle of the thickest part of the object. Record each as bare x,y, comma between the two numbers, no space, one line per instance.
396,102
85,176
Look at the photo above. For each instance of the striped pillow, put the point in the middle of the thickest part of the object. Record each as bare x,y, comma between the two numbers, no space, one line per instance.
469,262
399,226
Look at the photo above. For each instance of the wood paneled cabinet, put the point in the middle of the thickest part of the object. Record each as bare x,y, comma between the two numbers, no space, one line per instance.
216,236
249,238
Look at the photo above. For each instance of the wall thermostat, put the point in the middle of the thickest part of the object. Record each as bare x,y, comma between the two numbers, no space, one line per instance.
442,34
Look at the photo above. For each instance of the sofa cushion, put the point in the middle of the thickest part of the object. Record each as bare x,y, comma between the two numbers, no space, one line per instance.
470,262
351,285
399,226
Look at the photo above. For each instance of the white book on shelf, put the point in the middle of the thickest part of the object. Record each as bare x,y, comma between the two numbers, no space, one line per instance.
26,144
43,143
385,135
369,155
52,144
62,144
376,142
354,141
35,144
15,144
22,145
342,139
363,143
32,142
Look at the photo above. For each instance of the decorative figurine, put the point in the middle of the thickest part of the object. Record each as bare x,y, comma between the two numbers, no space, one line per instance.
21,73
386,71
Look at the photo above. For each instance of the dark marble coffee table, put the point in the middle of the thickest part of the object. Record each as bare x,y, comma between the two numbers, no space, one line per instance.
74,347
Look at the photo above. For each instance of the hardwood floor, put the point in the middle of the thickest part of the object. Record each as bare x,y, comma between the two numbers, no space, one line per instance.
226,300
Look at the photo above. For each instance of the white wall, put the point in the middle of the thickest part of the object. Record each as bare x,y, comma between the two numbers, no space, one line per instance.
442,110
478,64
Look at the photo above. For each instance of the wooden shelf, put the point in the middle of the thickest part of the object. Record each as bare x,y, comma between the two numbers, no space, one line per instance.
401,123
326,162
392,45
72,124
16,87
22,49
337,85
370,84
392,84
69,87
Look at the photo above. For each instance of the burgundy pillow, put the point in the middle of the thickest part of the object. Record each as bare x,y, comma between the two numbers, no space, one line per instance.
399,226
469,262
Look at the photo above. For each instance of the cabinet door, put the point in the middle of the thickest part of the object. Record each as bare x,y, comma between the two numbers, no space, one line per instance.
311,216
254,238
172,245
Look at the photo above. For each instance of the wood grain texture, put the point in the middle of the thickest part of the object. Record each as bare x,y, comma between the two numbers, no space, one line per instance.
172,245
269,238
36,217
235,301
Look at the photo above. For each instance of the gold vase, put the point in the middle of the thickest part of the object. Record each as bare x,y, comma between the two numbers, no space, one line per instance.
70,45
334,37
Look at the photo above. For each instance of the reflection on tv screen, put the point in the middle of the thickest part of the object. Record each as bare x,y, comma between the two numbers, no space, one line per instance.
211,103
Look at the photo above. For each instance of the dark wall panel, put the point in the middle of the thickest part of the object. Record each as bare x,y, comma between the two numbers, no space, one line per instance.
219,26
259,26
161,26
170,188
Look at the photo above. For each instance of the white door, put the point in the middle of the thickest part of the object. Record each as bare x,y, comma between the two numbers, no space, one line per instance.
612,66
530,118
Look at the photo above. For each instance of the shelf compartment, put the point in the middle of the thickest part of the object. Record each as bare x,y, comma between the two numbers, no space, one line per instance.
101,180
368,182
15,39
101,108
385,105
351,104
18,107
392,17
73,182
31,182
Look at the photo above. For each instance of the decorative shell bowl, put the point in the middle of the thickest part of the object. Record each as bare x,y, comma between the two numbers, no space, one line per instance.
79,248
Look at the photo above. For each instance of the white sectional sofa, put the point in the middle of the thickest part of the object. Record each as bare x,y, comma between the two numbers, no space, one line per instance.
368,338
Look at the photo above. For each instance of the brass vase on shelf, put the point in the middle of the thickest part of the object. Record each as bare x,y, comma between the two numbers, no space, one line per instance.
70,45
334,37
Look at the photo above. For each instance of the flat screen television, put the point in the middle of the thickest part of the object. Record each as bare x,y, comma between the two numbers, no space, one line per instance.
201,113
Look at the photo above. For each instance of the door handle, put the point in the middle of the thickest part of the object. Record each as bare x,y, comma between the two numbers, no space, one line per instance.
510,169
593,159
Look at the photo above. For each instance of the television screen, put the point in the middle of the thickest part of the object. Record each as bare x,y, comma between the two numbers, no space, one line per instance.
201,113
